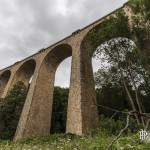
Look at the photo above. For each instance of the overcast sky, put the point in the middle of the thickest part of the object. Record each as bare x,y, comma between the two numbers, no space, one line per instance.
26,26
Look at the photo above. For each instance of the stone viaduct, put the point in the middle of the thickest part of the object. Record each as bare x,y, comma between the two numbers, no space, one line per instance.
82,113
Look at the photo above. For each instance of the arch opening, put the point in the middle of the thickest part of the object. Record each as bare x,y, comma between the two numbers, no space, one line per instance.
112,27
4,78
121,78
60,97
56,62
99,38
106,61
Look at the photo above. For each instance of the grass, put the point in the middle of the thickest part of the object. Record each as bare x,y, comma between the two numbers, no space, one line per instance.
95,140
98,140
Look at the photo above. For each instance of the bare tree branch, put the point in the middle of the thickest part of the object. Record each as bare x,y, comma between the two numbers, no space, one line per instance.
120,133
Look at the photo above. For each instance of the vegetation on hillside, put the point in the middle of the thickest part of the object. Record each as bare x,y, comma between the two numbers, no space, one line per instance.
94,140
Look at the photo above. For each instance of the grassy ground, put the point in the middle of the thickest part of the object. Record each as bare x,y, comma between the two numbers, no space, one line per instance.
94,141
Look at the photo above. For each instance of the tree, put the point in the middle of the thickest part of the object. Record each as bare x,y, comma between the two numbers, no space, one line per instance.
125,63
10,110
123,68
59,113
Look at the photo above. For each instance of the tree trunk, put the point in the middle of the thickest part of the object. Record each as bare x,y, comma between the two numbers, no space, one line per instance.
131,100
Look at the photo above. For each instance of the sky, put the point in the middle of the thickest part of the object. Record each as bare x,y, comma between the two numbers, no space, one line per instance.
26,26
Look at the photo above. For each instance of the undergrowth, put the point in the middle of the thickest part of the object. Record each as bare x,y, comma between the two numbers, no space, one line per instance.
98,139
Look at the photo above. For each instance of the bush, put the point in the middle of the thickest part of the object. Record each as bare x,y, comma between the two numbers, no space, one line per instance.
10,110
112,126
59,113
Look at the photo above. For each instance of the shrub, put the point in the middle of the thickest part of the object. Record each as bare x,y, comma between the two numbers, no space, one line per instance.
112,126
10,110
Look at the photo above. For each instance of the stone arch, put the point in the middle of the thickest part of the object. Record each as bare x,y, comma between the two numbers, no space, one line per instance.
102,31
113,27
48,70
25,72
52,60
57,55
4,78
40,109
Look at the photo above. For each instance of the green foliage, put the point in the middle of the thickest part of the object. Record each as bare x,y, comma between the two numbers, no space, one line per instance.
141,21
123,62
141,7
10,110
113,126
111,96
97,141
135,5
59,114
114,27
